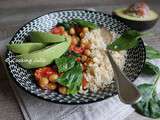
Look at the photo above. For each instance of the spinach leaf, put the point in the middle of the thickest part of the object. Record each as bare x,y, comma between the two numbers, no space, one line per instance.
77,22
72,54
150,69
127,40
65,63
152,53
149,105
67,24
84,23
72,79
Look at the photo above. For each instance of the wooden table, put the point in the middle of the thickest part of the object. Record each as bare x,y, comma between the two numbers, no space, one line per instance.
15,13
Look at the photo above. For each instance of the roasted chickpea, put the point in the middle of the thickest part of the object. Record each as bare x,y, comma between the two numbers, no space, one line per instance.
72,31
53,77
87,52
62,90
52,86
81,35
43,82
85,30
83,58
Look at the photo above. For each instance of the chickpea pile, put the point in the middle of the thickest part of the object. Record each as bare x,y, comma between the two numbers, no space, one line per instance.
79,45
49,82
78,38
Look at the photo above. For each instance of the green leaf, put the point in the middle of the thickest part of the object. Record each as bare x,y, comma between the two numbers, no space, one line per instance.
150,69
152,53
65,63
72,54
149,105
84,23
127,40
72,79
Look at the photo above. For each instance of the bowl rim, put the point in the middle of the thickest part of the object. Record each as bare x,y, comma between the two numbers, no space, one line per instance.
57,102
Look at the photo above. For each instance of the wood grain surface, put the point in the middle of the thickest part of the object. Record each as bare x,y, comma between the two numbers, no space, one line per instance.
14,13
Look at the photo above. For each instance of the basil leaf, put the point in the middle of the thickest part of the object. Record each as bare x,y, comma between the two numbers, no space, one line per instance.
127,40
72,79
149,105
150,69
152,53
65,63
84,23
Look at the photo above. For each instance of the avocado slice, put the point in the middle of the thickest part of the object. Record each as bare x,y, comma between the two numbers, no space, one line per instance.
25,47
137,23
45,37
43,57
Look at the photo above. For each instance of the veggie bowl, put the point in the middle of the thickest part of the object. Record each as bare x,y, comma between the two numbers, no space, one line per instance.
61,57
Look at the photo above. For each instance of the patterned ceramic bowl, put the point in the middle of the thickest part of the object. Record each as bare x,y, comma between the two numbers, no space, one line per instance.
133,64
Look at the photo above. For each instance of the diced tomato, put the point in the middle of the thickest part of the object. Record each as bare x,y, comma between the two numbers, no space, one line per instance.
78,59
84,83
57,30
44,72
78,50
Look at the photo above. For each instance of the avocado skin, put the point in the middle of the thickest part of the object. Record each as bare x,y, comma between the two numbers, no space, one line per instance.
136,25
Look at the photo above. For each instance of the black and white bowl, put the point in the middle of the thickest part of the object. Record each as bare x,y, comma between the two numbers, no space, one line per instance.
133,64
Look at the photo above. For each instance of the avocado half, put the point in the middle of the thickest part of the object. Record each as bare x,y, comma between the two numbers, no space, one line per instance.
137,23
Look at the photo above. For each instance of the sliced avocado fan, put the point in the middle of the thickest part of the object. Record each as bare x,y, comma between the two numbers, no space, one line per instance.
25,47
43,57
45,37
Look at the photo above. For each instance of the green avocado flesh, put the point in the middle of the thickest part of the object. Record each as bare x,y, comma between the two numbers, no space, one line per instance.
44,56
45,37
121,13
25,47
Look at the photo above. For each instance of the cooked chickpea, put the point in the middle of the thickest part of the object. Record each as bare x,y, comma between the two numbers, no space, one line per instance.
83,58
72,31
85,30
43,82
88,45
84,41
53,77
65,33
52,86
81,35
74,40
82,45
62,28
87,52
62,90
